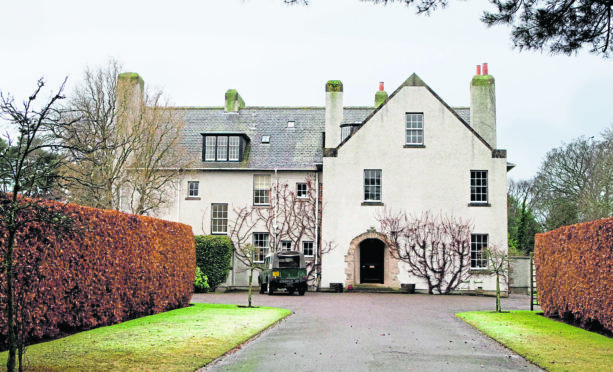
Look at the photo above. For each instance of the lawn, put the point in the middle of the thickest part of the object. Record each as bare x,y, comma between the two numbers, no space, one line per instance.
552,345
179,340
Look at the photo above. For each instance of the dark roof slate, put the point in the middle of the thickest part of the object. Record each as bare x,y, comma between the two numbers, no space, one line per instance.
289,148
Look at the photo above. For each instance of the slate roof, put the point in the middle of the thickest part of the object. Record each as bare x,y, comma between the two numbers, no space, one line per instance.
298,148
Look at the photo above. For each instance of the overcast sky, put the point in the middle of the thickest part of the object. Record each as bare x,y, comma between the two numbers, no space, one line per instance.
276,55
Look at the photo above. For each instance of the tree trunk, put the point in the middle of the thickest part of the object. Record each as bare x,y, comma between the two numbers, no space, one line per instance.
250,279
10,306
498,307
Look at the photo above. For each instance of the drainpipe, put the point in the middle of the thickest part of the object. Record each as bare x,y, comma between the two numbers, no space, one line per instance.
178,197
316,243
276,212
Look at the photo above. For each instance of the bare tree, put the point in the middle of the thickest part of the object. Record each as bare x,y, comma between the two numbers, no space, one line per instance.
101,146
35,125
126,142
157,158
240,231
289,217
498,264
435,247
575,182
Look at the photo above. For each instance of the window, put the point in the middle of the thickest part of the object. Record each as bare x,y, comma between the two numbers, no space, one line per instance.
291,123
415,129
372,185
301,190
478,186
234,147
291,262
345,132
192,189
478,243
286,245
219,218
307,248
261,189
260,242
209,151
265,139
222,148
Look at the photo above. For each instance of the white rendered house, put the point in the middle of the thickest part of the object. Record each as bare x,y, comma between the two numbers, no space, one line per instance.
410,152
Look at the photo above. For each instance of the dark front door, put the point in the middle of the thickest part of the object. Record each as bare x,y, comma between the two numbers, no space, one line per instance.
371,261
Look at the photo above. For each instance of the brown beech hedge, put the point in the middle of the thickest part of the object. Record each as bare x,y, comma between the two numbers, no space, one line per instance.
107,268
574,272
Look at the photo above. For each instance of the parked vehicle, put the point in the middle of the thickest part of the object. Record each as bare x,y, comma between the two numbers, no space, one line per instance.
283,270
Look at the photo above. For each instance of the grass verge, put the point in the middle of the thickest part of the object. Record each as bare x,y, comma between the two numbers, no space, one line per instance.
552,345
178,340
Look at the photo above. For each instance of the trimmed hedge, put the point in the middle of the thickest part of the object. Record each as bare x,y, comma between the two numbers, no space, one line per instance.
574,272
108,268
213,255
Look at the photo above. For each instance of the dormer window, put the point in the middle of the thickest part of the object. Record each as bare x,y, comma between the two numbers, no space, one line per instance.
220,147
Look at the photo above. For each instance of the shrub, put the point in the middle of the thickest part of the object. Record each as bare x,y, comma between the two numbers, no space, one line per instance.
574,272
201,284
110,267
213,255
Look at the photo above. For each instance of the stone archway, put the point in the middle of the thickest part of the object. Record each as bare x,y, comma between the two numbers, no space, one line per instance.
352,260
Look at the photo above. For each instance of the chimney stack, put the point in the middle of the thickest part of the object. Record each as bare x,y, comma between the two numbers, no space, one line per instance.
334,112
130,97
483,105
234,101
380,96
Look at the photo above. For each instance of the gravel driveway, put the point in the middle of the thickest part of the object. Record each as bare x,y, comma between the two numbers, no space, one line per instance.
371,332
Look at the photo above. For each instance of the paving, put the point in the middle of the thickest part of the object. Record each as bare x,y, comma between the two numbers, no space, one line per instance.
371,332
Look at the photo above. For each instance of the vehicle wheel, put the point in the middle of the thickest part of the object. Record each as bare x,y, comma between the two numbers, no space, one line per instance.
291,291
271,289
262,288
301,292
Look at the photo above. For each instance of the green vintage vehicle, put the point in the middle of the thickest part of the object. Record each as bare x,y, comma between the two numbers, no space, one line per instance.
283,270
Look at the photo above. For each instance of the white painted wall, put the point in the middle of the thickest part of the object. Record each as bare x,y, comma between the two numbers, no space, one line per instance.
234,187
434,178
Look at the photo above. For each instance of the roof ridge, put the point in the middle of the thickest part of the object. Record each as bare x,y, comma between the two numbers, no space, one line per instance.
270,108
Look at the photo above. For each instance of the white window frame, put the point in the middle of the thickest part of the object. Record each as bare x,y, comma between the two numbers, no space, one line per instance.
414,129
210,148
262,246
479,187
222,148
312,248
234,148
219,217
261,190
370,176
478,243
193,189
345,132
286,245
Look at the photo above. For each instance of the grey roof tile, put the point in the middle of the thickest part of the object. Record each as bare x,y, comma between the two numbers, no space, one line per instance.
289,148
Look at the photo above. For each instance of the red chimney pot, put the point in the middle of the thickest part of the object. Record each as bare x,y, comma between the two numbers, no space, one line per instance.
478,69
381,86
485,69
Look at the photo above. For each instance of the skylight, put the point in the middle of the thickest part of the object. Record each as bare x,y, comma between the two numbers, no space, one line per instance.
291,123
265,139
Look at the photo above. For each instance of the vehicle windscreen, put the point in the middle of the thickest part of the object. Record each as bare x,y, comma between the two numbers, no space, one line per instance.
289,261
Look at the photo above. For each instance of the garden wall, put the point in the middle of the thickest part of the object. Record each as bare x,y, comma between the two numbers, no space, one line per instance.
107,268
574,272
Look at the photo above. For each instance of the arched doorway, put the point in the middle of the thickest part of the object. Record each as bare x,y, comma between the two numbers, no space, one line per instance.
371,242
372,263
